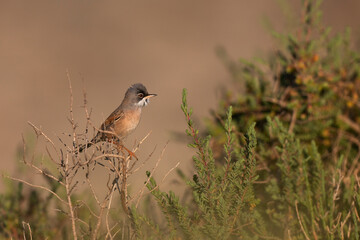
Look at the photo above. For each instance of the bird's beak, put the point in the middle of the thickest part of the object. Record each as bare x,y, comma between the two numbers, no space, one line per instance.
150,96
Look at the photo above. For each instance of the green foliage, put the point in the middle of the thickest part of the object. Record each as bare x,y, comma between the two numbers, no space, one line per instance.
32,212
308,157
311,82
306,200
20,206
223,203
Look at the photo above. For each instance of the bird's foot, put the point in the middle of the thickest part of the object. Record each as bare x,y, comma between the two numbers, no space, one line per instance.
131,154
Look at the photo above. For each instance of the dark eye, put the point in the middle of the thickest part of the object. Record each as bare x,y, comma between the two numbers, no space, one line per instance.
140,95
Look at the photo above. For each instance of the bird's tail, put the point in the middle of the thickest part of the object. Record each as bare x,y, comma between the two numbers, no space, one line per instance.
93,141
84,146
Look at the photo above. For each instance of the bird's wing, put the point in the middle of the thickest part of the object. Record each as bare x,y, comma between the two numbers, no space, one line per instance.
114,117
108,125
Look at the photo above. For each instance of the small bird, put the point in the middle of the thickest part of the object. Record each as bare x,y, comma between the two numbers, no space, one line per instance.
124,119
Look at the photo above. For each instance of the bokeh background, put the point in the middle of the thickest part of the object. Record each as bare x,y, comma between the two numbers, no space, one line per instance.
108,45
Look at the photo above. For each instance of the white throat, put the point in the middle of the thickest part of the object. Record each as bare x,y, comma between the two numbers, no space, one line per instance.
143,102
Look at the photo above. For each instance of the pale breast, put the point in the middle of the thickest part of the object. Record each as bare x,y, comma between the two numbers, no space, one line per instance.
128,123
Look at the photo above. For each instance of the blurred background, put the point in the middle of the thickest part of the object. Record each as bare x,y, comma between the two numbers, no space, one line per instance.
107,46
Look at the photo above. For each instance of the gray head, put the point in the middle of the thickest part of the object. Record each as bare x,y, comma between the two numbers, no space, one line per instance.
137,95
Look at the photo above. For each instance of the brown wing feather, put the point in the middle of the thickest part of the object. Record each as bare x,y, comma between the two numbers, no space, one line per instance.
109,122
108,125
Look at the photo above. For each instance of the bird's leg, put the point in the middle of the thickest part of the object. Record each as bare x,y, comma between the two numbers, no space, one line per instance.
121,146
131,154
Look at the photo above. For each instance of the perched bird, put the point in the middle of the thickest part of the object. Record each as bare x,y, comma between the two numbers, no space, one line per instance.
124,119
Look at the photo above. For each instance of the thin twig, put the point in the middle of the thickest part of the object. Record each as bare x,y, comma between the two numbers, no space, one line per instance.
142,164
293,120
345,220
151,174
171,169
37,168
88,207
39,132
68,195
71,120
107,214
24,232
38,186
94,236
337,190
351,123
299,218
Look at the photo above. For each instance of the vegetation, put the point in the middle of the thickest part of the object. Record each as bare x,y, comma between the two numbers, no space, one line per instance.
280,159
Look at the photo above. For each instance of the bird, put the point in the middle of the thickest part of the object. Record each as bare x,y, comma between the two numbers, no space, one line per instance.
124,119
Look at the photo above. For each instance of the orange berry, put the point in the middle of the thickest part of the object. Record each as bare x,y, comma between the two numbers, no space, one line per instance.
355,97
349,104
315,58
325,133
326,142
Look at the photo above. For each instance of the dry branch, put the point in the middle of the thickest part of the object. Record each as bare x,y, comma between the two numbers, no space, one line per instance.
73,168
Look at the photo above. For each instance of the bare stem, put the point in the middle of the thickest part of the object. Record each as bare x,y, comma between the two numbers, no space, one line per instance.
68,195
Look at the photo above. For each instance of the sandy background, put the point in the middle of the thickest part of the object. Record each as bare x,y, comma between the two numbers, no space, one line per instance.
166,45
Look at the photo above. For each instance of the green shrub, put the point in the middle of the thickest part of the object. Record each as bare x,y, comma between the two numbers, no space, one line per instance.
308,164
29,212
300,181
223,203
